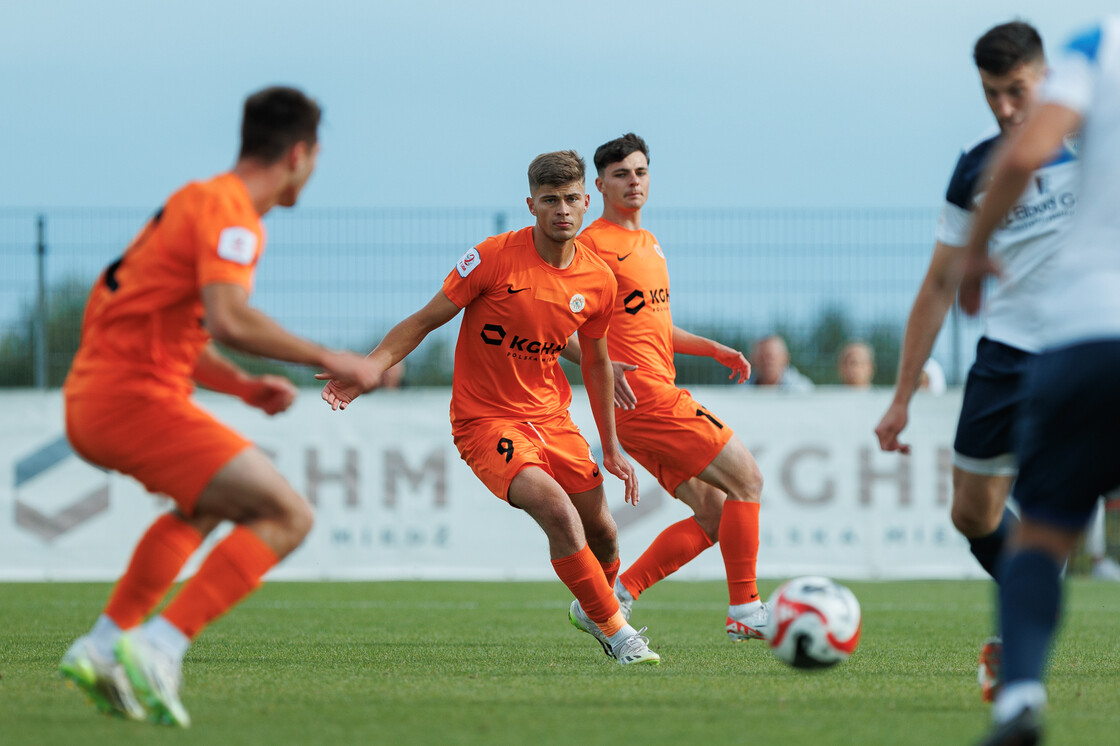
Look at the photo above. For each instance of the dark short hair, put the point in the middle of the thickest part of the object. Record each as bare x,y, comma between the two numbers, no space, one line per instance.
556,169
617,149
1005,47
275,119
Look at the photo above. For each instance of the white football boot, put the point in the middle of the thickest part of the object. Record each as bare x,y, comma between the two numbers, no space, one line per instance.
583,623
753,626
156,677
102,680
635,649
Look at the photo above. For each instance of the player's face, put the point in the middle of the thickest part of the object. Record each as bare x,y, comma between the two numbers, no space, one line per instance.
625,184
560,209
301,163
1012,96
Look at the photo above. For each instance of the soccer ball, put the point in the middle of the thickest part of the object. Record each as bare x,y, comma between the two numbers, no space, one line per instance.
816,622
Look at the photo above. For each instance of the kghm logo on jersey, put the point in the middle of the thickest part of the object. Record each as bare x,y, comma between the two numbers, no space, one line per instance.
518,347
658,299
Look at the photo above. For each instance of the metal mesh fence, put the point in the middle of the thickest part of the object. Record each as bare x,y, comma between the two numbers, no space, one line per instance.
344,276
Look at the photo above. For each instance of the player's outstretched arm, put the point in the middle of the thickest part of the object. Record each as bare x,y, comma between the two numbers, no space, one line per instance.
688,343
935,297
233,322
1024,154
269,393
598,380
397,344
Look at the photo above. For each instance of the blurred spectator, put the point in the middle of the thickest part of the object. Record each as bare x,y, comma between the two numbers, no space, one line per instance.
856,364
932,378
770,366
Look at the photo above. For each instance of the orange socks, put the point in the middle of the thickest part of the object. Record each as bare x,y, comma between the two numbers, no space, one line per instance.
583,575
738,540
673,548
232,571
156,562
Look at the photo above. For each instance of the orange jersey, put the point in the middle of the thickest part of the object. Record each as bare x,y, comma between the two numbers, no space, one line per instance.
143,326
520,313
642,331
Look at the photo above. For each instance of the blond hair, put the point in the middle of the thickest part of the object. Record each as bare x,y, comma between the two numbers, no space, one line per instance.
556,169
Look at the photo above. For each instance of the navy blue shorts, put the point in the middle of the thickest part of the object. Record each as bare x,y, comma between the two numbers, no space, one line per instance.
1069,434
993,397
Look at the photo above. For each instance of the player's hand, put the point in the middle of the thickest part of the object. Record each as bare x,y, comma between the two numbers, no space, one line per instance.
735,360
624,397
348,376
616,463
271,394
890,427
337,394
976,269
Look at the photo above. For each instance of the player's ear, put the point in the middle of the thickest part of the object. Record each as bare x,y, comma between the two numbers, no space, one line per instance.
599,184
297,154
532,207
587,200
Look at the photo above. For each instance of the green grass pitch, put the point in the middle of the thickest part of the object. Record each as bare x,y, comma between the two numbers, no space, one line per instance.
498,663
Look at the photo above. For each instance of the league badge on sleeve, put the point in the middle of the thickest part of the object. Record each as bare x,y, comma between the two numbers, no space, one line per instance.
467,264
577,303
238,245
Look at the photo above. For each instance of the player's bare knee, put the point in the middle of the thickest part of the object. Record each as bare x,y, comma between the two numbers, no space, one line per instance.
301,519
747,485
971,520
602,538
753,482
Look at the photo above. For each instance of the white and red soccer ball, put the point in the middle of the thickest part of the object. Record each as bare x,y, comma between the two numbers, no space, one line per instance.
815,622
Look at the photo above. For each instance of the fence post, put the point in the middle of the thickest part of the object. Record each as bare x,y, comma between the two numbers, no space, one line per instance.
41,309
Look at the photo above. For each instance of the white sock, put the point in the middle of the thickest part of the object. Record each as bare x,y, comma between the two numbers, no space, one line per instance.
104,636
166,637
618,637
1017,696
738,611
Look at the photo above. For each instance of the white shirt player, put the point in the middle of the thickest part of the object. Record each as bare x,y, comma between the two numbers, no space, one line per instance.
1087,80
1024,244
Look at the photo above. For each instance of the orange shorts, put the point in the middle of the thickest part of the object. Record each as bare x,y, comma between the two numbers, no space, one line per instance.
673,437
498,449
169,445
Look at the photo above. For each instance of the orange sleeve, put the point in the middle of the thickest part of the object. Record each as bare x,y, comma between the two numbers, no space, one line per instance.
230,242
473,274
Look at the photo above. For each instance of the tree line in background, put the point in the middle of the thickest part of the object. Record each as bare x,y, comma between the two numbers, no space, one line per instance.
813,349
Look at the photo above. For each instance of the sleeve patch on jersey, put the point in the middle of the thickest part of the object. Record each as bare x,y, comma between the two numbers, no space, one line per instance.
238,245
468,263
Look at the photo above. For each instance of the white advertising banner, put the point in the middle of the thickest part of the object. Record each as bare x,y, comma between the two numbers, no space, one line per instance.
394,501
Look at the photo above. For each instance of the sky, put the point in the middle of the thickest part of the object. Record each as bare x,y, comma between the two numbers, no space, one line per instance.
433,103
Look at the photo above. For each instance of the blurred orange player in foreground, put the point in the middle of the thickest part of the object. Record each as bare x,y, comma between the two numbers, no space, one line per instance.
146,341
